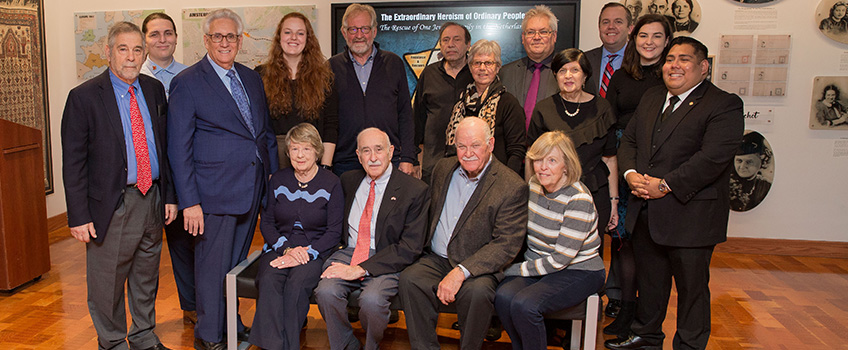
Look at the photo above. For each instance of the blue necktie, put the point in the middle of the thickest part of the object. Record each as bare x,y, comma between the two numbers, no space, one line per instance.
241,100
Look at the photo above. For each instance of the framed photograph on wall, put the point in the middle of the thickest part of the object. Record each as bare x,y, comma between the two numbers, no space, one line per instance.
23,72
828,103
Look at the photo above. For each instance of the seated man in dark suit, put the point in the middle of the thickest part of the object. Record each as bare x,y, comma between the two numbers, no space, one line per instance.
386,213
118,189
478,220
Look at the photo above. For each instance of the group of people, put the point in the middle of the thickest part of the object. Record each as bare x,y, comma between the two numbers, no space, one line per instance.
539,153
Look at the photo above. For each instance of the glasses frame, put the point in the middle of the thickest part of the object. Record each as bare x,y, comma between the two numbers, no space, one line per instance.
364,30
220,37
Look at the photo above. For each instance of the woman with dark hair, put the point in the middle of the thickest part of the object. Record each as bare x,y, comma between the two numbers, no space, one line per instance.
301,224
836,22
588,120
298,83
561,266
829,112
640,70
487,99
748,186
681,19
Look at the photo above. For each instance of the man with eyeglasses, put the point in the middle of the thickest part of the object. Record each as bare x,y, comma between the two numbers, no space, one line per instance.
438,89
160,35
221,142
529,79
371,91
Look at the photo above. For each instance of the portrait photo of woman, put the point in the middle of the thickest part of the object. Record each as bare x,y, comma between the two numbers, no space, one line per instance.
827,110
753,172
832,19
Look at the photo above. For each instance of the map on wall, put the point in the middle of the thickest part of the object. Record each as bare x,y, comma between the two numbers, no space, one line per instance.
260,23
90,32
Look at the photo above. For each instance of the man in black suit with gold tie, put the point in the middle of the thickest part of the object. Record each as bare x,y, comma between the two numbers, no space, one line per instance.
677,155
118,189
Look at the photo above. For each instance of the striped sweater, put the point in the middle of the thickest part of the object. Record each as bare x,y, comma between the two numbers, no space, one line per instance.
561,232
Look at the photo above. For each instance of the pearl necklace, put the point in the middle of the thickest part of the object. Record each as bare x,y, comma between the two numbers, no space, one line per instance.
566,108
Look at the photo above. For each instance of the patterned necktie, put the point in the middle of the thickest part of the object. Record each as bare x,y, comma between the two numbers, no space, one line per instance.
670,109
608,70
241,100
142,159
363,239
532,94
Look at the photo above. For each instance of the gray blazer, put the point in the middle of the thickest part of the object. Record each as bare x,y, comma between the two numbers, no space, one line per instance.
492,227
512,77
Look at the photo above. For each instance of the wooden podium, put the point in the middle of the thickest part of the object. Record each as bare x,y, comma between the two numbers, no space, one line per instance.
24,250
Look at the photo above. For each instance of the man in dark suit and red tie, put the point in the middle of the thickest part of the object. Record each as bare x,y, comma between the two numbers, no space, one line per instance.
219,142
386,218
614,26
677,154
118,189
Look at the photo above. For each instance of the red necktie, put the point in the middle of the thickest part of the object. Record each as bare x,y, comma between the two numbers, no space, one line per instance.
363,240
142,159
532,94
608,70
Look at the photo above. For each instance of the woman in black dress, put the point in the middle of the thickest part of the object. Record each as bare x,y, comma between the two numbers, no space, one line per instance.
298,83
640,71
588,120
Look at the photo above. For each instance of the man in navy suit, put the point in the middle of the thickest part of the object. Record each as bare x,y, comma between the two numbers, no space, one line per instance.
117,178
676,154
219,142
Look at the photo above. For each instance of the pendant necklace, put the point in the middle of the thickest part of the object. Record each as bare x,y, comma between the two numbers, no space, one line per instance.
565,108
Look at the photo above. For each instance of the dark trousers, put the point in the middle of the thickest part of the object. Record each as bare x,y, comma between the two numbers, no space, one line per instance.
521,302
128,255
224,243
474,307
655,266
376,291
181,249
283,302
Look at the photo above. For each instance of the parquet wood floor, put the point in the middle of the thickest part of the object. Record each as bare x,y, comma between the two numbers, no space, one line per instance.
759,302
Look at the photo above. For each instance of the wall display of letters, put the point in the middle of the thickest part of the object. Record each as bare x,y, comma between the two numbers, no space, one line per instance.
752,65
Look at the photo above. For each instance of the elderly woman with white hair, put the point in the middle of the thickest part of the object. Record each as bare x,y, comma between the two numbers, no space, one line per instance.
487,99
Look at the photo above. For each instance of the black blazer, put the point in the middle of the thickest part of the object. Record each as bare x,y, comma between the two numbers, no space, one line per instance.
401,221
593,83
693,151
94,157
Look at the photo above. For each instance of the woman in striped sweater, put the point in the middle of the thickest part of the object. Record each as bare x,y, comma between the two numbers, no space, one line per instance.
561,266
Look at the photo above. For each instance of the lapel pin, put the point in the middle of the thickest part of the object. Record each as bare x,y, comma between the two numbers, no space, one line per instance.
393,198
691,103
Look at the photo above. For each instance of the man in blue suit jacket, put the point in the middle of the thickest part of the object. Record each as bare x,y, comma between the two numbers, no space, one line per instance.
219,141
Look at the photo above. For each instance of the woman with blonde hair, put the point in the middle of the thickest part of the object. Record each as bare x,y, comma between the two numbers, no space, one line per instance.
298,83
561,266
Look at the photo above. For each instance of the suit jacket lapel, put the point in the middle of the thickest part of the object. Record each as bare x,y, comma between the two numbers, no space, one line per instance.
352,185
224,95
438,200
486,183
388,204
110,103
154,113
679,114
252,92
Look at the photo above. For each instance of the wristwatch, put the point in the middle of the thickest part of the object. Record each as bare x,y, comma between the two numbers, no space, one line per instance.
663,187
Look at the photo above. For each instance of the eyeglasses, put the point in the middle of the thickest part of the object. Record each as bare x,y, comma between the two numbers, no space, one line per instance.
543,33
354,30
487,64
218,37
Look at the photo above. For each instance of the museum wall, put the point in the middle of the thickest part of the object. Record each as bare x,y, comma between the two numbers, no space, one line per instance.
809,197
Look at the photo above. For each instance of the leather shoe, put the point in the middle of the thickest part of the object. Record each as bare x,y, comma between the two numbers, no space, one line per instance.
613,307
243,335
633,342
201,344
189,317
155,347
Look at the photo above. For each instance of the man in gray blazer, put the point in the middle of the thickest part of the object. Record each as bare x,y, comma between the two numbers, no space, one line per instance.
478,218
529,79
